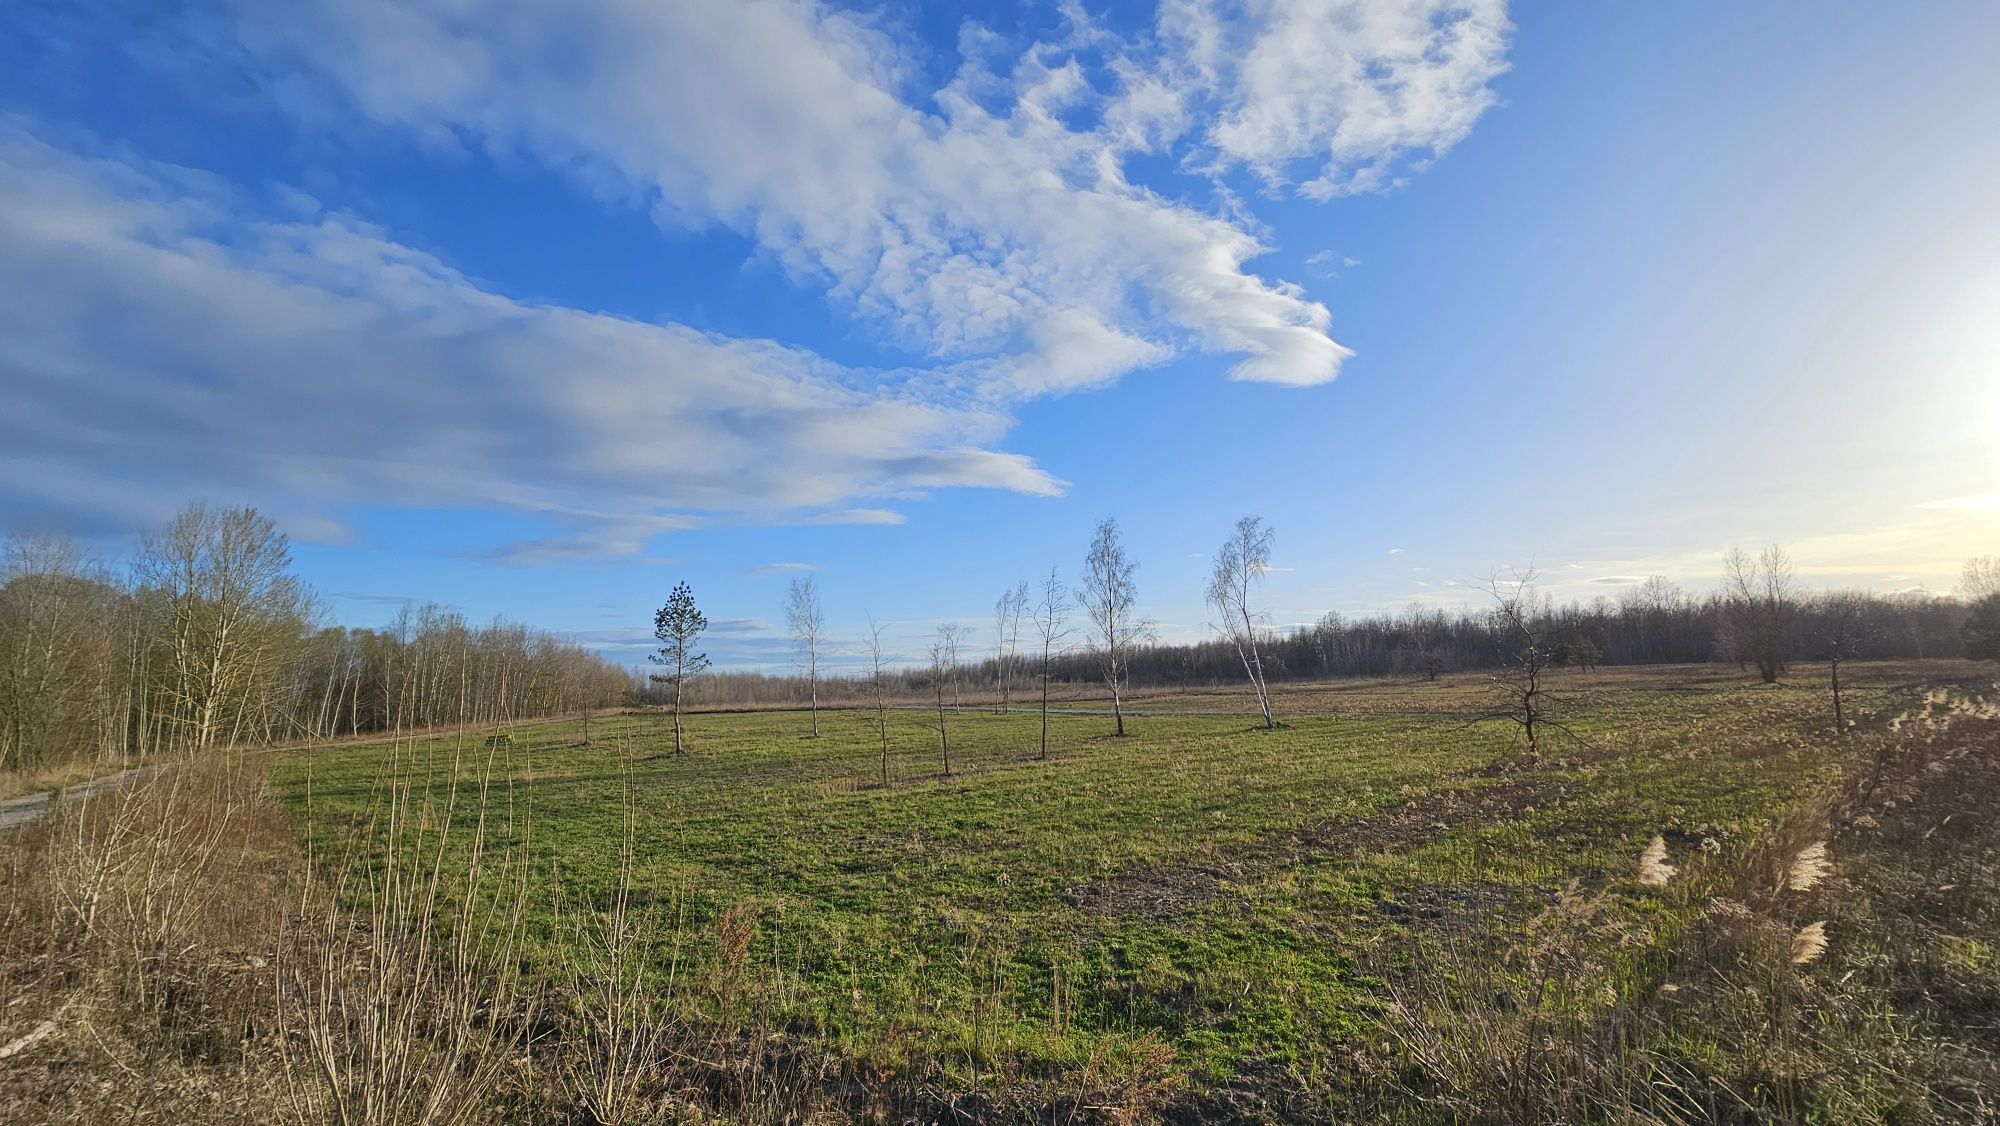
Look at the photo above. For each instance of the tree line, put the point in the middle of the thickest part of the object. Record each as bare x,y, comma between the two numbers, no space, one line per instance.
1759,618
205,639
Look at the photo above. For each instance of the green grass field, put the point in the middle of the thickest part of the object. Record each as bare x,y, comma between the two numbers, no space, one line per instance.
1234,894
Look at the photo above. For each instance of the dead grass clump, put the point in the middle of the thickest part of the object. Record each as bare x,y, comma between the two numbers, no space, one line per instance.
135,949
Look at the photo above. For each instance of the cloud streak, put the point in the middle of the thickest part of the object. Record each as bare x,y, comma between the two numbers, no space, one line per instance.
320,358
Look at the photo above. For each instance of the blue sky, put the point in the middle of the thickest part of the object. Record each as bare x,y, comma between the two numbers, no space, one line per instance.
537,308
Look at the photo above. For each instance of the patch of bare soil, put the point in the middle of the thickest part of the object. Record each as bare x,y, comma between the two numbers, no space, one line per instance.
1261,1090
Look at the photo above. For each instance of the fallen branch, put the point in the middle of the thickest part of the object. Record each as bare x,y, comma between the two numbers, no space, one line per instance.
21,1044
34,1035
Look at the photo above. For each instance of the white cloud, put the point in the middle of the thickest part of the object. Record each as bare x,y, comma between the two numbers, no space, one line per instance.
988,228
1356,92
1395,551
159,344
1322,263
855,516
781,569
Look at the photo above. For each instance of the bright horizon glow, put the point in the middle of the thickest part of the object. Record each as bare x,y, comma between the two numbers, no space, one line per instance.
536,310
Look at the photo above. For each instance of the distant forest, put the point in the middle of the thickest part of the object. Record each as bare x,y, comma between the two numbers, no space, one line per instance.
1655,622
205,640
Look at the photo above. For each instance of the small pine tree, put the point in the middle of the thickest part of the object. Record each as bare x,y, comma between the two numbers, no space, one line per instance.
678,625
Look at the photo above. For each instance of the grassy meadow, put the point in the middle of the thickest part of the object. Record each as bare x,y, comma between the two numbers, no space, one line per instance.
1220,912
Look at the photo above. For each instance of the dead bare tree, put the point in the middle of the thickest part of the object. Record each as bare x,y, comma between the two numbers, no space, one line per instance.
1107,595
1007,614
1240,565
1760,601
807,622
1052,625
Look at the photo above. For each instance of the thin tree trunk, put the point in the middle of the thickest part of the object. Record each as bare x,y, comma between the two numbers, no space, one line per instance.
678,748
1117,704
1045,707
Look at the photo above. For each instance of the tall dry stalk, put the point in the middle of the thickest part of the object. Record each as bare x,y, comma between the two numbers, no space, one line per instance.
135,871
401,976
617,991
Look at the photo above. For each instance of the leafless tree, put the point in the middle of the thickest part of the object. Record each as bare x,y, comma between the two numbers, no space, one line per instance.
1052,626
877,689
1521,621
1840,617
62,688
678,625
807,622
943,674
1240,565
1760,603
955,636
1007,613
1107,596
223,580
1980,579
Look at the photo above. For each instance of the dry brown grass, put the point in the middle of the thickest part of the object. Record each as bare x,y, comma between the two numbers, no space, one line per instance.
1777,988
140,929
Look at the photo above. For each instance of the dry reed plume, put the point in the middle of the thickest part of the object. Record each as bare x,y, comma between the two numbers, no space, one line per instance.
1808,869
1809,943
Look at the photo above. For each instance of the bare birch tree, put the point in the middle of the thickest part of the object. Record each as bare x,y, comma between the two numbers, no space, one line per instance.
807,622
678,625
1240,565
223,580
1107,596
1007,614
1052,625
